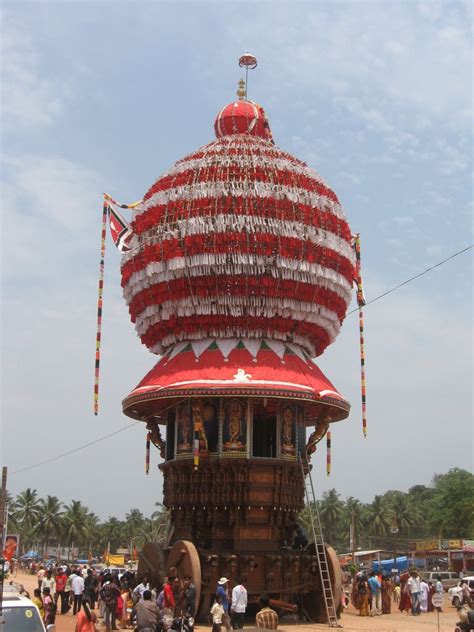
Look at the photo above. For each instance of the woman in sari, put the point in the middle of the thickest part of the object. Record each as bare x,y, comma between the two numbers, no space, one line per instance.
405,598
387,590
362,596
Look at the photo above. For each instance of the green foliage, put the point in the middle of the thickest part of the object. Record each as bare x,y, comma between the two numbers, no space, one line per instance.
452,509
392,521
43,522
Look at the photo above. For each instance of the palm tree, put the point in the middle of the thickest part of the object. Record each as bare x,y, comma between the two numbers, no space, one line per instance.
134,521
379,516
75,524
305,518
354,513
330,512
112,533
49,523
27,510
160,525
403,514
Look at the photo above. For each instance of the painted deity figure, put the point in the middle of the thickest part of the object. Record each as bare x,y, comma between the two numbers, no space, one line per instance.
288,442
199,427
233,430
184,429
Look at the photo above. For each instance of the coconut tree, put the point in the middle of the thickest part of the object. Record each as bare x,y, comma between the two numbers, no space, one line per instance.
331,511
354,514
49,524
75,524
113,534
26,512
305,518
160,524
379,516
134,521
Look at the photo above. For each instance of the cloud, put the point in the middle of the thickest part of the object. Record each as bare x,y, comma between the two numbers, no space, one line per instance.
31,97
419,380
51,210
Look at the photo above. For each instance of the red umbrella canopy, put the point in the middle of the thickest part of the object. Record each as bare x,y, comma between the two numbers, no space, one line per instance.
239,240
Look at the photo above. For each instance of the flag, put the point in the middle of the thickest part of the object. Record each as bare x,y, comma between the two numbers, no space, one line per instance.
120,230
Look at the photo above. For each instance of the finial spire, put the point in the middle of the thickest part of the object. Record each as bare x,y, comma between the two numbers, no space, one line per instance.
247,60
241,90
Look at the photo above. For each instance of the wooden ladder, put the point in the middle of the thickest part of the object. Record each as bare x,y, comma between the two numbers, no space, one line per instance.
319,544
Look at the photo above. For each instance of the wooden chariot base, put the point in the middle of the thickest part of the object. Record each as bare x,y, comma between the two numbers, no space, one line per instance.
289,577
237,518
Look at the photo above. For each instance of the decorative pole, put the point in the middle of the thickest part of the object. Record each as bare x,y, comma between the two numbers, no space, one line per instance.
361,303
105,213
247,61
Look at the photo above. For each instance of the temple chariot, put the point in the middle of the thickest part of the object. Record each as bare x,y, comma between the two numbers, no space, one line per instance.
237,269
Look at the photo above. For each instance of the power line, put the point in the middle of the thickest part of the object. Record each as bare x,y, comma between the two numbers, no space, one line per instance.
436,265
377,298
81,447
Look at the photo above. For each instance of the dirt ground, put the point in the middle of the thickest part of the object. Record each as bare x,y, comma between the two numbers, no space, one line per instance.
395,622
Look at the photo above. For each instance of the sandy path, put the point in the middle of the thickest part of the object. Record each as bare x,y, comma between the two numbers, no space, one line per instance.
396,622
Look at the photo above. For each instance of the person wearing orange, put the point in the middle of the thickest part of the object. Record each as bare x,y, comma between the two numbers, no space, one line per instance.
86,618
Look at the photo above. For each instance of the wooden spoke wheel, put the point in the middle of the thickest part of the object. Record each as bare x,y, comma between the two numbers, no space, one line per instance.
151,562
183,559
313,602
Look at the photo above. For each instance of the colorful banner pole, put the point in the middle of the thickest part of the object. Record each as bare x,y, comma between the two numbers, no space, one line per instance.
328,453
147,453
105,213
361,303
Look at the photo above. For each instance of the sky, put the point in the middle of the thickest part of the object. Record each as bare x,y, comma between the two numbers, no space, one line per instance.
106,96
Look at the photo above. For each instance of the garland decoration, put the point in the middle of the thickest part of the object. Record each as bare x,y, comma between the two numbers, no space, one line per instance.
105,212
238,239
328,453
361,302
147,453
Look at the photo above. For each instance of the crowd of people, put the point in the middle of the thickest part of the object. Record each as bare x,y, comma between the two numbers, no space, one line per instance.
122,602
373,595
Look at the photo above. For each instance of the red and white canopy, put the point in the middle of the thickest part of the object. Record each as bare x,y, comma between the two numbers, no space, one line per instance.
236,368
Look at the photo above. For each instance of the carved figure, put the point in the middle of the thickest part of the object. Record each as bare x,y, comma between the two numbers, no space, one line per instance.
288,444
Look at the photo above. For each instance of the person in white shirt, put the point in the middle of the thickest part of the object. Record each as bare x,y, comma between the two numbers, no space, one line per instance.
424,590
40,575
137,594
77,585
414,587
239,605
49,582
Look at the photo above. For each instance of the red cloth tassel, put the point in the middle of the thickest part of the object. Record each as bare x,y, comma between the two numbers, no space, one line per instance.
105,212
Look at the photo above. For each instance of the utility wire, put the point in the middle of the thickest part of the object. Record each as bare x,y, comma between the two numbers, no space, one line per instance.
436,265
377,298
81,447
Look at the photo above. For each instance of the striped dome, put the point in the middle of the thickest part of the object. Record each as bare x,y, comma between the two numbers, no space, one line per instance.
239,240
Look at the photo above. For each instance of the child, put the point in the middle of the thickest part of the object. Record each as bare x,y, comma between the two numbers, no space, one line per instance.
49,607
38,602
396,593
217,611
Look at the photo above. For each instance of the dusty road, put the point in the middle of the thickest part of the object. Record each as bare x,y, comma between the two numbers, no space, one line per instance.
396,622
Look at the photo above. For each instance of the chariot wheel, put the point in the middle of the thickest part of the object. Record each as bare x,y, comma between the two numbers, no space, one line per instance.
313,601
183,559
151,562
